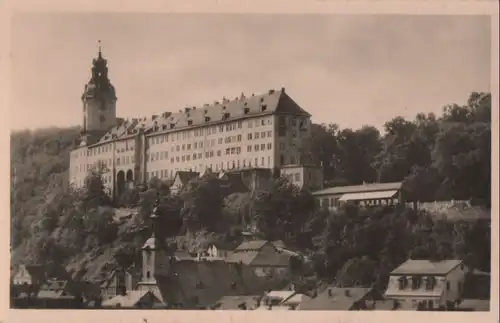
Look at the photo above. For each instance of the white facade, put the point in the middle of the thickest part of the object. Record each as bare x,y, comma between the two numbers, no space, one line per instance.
428,290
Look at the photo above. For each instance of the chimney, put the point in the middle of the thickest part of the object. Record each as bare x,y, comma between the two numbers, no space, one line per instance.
347,292
330,294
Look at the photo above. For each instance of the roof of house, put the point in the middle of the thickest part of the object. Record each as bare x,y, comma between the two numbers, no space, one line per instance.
185,176
297,298
234,302
202,283
281,294
273,101
182,255
342,299
224,245
244,257
57,289
369,187
36,272
251,245
278,259
130,299
423,267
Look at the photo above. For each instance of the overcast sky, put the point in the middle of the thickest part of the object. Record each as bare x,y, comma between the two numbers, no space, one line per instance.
347,69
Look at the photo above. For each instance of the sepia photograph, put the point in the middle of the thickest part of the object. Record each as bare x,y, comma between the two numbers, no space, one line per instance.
250,162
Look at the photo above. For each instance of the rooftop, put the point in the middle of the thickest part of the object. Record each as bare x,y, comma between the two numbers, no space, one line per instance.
426,267
254,245
273,101
334,298
369,187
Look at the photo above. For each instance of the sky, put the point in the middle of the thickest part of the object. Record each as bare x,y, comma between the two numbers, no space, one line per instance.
352,70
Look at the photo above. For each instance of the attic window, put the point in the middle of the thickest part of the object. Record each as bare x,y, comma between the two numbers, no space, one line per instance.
226,115
205,111
263,107
190,122
271,91
246,110
172,125
207,119
261,99
164,127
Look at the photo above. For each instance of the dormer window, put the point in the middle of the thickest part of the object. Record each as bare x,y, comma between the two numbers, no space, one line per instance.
172,125
190,122
246,110
207,119
403,282
430,283
263,107
226,116
164,127
224,107
415,282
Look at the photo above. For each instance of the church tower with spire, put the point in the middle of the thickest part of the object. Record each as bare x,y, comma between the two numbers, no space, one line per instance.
99,100
155,260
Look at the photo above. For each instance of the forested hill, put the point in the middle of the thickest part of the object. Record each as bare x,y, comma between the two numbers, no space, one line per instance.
439,158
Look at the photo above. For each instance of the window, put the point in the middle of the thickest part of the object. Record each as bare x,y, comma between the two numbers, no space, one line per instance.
282,159
249,136
257,135
447,285
269,146
415,282
263,134
431,281
249,148
403,282
250,124
292,160
256,147
239,138
262,147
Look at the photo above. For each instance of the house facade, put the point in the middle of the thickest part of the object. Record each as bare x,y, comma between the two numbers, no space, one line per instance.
427,285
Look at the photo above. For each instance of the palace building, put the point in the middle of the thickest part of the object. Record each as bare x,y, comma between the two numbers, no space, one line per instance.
265,131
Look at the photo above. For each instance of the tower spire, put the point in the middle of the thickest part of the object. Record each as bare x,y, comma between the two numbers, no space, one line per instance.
99,48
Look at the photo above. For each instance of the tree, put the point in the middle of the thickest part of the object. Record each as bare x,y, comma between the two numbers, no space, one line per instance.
203,201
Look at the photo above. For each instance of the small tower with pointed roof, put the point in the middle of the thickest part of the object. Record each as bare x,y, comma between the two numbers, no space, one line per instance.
155,260
99,99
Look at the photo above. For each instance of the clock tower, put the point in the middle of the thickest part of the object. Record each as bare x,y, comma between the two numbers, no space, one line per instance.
99,100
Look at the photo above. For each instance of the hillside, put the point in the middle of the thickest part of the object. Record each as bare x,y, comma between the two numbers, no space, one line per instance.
437,158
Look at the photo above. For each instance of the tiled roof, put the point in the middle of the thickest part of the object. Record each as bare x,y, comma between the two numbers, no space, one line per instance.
274,101
235,302
186,176
342,299
243,257
202,284
57,289
371,187
222,245
426,267
251,245
130,299
280,259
